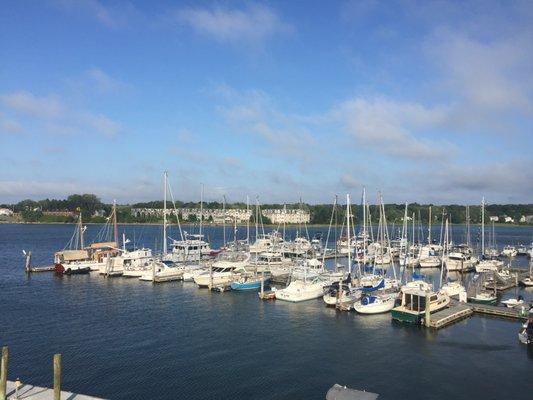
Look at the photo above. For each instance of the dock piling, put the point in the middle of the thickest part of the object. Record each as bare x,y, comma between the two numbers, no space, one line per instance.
3,373
427,311
57,376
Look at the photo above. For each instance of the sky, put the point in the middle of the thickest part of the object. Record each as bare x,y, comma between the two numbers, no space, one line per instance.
426,101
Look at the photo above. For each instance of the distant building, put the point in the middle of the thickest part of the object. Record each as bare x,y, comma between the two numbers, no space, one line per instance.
508,219
6,212
217,215
280,216
494,219
59,213
527,219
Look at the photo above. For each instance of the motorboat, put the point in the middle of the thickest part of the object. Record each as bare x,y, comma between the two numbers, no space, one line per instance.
163,271
428,257
249,282
489,265
71,269
455,290
512,303
132,264
192,270
267,242
509,251
521,250
191,248
414,303
483,297
302,290
459,261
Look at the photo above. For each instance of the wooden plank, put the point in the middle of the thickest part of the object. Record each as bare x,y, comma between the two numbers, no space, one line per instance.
30,392
449,315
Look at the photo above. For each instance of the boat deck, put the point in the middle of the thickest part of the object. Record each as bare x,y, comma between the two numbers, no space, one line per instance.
32,392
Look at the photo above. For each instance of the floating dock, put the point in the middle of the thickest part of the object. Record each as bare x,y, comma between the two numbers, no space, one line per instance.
338,392
498,311
449,315
31,392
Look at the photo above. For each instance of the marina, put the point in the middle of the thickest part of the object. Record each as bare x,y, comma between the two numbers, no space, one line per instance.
188,309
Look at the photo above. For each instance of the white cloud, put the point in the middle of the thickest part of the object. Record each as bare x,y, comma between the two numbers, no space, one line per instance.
390,127
103,82
491,75
28,104
9,126
255,23
112,16
53,115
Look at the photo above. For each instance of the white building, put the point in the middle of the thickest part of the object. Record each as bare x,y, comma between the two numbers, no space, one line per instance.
509,220
6,212
280,216
216,215
494,219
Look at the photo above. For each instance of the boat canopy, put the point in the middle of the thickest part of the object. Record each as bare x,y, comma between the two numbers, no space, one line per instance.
380,285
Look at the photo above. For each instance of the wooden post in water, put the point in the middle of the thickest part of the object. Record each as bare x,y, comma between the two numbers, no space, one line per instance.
427,317
57,376
3,373
28,263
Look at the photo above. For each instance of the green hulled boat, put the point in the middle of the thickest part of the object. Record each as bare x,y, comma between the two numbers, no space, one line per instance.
413,307
483,298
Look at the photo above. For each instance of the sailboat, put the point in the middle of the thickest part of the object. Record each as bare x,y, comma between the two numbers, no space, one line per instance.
451,288
79,259
528,281
376,304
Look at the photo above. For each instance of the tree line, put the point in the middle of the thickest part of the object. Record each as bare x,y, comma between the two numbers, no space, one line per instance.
94,210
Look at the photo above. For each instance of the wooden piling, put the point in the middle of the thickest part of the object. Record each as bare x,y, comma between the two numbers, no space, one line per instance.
57,376
427,311
3,373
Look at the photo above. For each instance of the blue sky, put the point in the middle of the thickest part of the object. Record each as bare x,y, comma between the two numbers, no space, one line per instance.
425,101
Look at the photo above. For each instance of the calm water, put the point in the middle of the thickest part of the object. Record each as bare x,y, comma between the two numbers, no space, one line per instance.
125,339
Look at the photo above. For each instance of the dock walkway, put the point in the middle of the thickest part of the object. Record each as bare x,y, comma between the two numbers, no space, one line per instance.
31,392
498,311
449,315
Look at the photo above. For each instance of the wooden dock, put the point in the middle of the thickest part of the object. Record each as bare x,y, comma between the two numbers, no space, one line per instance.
449,315
31,392
498,311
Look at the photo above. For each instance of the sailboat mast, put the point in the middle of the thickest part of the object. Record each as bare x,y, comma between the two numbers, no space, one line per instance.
224,221
82,244
201,208
482,226
429,226
248,220
115,226
348,233
165,213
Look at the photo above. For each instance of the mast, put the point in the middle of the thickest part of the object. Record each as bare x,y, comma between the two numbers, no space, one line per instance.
348,233
429,226
201,208
115,226
482,226
80,227
165,213
247,220
468,225
224,216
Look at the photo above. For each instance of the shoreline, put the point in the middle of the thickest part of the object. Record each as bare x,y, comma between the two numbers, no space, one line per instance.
239,225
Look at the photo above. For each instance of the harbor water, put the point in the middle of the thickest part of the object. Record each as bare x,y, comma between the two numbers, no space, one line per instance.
126,339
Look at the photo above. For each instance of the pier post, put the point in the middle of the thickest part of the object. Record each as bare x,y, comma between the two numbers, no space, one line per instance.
3,373
427,311
57,376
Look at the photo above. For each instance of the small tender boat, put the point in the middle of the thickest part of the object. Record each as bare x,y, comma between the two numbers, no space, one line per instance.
247,282
528,282
511,303
521,250
375,304
483,298
71,269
